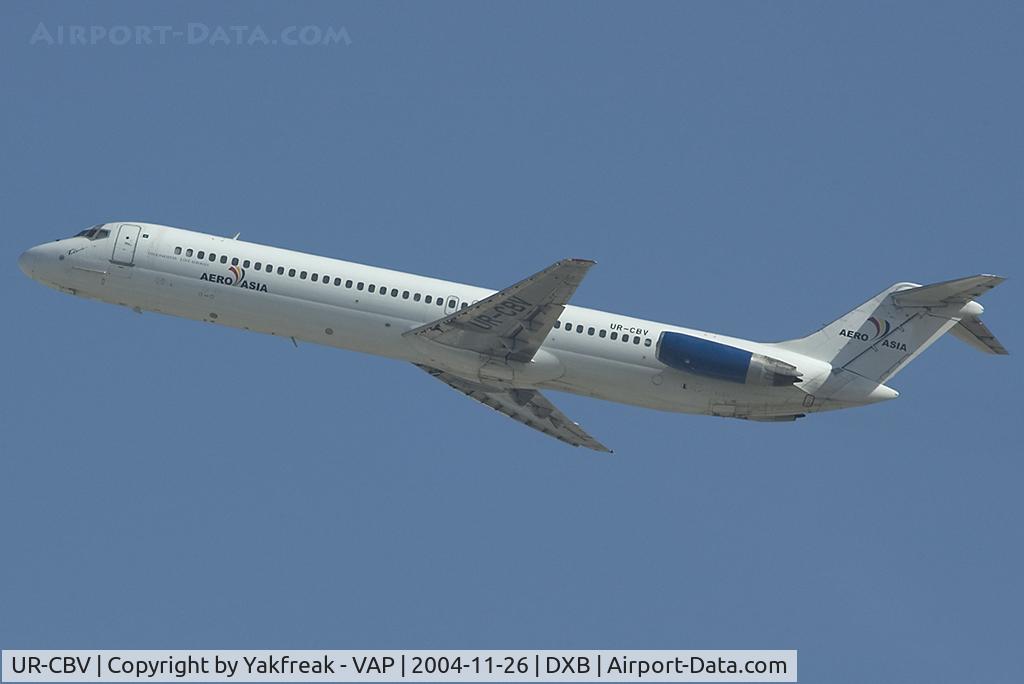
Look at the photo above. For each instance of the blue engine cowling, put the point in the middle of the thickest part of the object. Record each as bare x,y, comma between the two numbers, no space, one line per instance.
723,362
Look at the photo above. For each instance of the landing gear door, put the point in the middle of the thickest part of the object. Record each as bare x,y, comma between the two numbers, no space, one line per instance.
125,243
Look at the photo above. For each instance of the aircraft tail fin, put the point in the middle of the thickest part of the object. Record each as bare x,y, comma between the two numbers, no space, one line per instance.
882,335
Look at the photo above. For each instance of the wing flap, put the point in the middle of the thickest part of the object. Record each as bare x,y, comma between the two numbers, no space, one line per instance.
529,407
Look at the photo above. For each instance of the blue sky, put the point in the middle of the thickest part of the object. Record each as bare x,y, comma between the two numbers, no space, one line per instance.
752,169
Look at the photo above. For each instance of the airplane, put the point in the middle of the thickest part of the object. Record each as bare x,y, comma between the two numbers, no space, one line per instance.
506,348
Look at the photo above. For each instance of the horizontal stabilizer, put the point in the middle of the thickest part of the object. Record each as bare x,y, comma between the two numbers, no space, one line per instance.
959,291
975,333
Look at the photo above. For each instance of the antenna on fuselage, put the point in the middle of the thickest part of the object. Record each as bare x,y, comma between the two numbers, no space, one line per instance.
236,236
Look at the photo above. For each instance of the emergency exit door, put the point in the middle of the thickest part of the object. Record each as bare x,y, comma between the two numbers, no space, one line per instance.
125,244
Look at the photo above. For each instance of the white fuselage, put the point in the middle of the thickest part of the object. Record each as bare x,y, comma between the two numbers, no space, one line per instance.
364,308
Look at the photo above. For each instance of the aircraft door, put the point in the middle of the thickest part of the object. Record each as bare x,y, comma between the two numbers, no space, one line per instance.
451,305
125,243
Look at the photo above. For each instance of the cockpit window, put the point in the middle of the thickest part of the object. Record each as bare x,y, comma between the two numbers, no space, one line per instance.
97,232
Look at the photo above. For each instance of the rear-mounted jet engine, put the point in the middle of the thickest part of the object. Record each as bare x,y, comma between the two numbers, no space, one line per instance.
723,362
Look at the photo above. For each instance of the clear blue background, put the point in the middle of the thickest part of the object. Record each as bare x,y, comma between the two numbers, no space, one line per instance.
752,169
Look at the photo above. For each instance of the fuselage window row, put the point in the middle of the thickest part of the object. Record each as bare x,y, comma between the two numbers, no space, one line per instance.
324,278
602,333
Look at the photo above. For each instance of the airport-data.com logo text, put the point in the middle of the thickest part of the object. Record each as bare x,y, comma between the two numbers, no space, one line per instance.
192,33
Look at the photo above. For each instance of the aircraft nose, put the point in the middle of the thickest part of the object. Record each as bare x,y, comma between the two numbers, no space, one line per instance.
40,262
28,261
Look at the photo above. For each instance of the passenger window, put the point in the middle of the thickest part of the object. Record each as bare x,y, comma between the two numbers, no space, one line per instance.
234,261
383,290
177,251
590,331
291,272
223,259
213,257
200,254
258,266
647,341
394,293
359,286
245,264
326,279
268,268
348,284
558,324
636,340
625,338
405,294
416,297
314,277
280,270
303,274
579,328
615,335
601,333
428,299
337,282
440,301
371,288
188,252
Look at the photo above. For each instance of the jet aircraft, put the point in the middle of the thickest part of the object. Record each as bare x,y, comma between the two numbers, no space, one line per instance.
506,348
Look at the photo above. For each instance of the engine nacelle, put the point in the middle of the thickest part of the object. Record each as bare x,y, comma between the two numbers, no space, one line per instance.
723,362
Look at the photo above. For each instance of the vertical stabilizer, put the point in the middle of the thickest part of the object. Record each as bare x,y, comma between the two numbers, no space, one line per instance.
888,331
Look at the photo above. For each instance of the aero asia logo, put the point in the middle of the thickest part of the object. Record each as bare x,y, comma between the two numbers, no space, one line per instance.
236,278
882,327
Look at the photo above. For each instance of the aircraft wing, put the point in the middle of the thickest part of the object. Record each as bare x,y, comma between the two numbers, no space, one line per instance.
513,323
529,407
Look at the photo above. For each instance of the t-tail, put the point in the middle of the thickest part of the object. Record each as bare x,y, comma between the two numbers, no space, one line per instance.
869,345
